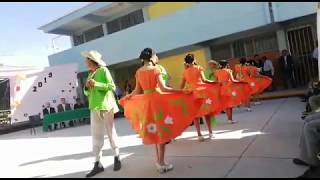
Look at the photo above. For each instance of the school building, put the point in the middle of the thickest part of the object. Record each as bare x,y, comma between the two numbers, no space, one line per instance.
210,30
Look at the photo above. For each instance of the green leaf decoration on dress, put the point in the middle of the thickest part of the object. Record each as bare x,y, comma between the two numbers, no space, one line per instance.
158,116
165,129
160,134
176,102
143,133
184,109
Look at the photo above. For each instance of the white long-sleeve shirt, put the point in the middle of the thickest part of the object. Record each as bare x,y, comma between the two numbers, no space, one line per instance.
315,53
268,66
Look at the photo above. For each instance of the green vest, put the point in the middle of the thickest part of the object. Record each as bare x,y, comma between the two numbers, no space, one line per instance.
101,96
209,75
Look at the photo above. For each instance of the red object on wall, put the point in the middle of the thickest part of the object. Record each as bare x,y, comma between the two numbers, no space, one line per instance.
18,88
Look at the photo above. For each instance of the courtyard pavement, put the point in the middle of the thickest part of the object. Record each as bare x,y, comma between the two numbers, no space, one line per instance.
261,145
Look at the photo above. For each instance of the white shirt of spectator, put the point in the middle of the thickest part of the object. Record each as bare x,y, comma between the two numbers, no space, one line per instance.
315,53
64,107
285,60
268,66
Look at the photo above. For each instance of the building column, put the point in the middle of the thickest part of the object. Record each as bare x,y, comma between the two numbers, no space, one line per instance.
105,30
71,41
282,40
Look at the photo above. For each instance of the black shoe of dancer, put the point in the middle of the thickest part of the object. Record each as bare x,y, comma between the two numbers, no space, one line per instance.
117,164
98,168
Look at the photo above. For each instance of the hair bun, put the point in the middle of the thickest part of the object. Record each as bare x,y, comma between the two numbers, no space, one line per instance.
146,53
189,59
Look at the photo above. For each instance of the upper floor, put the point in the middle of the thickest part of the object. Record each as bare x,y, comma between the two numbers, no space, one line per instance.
124,28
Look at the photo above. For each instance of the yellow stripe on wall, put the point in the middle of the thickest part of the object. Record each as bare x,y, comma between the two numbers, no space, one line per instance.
175,65
159,9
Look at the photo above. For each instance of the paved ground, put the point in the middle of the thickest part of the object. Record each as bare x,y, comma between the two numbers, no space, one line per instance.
262,144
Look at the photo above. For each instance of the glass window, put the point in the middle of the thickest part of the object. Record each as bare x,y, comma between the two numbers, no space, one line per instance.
77,40
126,21
93,33
221,52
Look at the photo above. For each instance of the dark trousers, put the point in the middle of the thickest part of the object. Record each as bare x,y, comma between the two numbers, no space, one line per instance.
289,79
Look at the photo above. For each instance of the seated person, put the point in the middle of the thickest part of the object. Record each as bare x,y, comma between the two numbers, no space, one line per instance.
310,145
64,107
49,110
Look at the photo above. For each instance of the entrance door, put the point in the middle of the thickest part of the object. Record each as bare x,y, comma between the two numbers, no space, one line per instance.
301,45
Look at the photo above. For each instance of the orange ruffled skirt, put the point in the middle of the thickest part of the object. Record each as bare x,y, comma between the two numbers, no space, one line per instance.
159,117
234,94
211,99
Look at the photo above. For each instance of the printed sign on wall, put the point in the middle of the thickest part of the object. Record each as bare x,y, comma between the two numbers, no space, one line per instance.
31,88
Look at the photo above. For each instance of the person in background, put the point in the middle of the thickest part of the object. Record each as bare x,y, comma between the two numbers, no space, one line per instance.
63,106
118,93
100,89
268,70
287,68
259,62
254,62
127,88
315,59
49,110
79,105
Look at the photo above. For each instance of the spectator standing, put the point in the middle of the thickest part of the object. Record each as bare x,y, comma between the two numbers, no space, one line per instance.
287,68
268,70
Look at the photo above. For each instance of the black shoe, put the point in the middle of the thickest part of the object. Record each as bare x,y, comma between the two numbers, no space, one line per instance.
55,126
312,172
299,162
98,168
117,164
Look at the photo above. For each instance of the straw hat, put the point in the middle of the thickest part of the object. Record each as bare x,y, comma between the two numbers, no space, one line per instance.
94,56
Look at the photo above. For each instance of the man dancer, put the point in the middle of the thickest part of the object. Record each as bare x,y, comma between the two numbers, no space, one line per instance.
102,104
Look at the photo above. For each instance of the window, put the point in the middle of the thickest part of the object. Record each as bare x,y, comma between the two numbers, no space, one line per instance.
255,45
238,48
266,43
221,52
77,40
126,21
93,33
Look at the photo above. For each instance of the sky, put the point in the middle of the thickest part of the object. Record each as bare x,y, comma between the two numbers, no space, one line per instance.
21,43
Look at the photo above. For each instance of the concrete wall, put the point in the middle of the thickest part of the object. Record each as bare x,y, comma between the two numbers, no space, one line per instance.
288,10
201,22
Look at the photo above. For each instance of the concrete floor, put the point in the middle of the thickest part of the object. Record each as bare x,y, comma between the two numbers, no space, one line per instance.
261,145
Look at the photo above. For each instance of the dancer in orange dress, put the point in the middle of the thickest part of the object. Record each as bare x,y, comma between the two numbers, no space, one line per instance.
156,112
233,92
263,82
242,71
194,79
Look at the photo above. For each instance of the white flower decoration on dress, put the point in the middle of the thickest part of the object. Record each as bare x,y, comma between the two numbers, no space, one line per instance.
208,101
168,120
234,93
152,128
252,84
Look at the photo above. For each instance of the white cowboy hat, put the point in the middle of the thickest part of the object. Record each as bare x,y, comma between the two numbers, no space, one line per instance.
94,56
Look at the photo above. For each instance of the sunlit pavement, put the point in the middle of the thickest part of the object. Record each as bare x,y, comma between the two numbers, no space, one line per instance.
262,144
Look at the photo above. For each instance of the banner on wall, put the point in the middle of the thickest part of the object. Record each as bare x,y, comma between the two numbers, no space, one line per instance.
31,88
